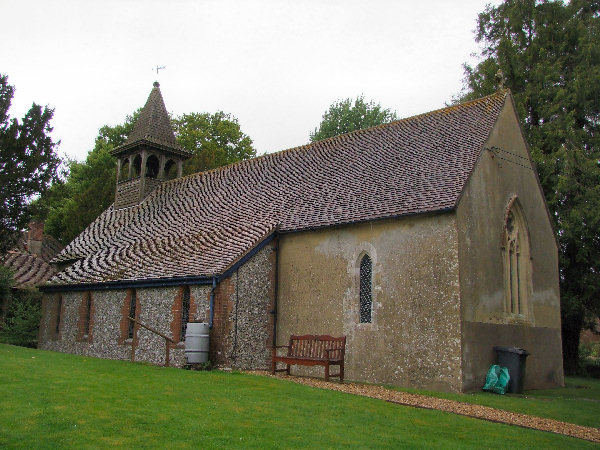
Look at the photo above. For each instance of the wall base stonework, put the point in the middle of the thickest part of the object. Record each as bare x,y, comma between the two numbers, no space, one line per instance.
543,365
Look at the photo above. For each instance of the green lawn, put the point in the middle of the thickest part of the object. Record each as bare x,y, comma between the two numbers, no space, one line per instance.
578,402
54,400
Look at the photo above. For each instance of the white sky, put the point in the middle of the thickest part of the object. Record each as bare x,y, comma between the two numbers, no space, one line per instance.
275,65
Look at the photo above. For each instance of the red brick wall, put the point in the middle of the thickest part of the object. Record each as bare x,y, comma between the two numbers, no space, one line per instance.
219,335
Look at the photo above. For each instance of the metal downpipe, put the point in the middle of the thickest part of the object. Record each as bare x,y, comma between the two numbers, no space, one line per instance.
212,302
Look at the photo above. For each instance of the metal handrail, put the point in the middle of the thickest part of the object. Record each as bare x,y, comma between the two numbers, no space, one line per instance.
166,338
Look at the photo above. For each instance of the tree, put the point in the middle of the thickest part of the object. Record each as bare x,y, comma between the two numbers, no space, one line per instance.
347,115
20,312
214,139
71,205
28,163
548,54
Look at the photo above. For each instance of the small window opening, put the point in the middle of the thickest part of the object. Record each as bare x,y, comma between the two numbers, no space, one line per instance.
170,170
152,166
58,310
185,312
366,288
124,170
137,166
132,303
88,314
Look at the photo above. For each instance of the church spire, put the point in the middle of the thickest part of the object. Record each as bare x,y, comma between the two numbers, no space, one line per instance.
150,155
153,124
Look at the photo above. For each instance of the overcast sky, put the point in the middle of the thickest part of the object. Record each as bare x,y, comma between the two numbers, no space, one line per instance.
275,65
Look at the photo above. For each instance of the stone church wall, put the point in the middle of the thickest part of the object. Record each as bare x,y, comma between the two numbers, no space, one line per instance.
414,337
107,325
242,334
494,185
241,337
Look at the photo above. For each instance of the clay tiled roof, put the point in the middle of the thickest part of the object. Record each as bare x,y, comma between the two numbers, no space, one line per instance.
32,269
201,224
153,126
29,270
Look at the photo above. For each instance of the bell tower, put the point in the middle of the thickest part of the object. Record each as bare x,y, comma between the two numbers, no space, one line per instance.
149,156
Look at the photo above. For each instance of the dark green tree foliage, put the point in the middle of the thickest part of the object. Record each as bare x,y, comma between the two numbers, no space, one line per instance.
549,55
71,205
19,312
348,115
28,163
6,284
214,139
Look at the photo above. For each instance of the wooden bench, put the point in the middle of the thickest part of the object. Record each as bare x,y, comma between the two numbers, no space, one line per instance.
311,350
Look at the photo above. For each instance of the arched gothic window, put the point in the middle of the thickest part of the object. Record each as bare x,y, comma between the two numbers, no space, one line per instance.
185,312
516,260
366,289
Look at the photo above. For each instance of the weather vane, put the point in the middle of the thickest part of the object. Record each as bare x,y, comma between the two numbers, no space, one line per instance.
159,68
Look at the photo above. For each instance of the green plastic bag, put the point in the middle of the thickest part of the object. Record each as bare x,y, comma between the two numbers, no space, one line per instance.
497,379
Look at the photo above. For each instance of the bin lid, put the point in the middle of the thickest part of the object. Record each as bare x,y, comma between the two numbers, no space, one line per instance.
517,350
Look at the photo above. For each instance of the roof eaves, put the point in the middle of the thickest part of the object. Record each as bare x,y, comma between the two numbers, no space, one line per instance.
151,142
127,284
433,211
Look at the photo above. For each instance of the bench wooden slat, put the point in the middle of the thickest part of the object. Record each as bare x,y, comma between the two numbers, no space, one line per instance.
311,350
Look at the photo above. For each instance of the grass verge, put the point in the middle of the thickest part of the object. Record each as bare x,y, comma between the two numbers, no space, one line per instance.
578,402
54,400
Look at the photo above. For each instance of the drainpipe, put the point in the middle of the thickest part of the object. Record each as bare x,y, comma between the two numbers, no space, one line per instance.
212,302
275,289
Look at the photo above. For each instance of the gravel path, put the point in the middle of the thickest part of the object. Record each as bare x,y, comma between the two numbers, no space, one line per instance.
452,406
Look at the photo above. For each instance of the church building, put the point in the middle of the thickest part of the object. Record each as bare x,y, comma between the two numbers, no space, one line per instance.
425,241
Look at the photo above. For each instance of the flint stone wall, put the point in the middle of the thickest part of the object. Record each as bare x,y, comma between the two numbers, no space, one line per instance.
155,311
252,299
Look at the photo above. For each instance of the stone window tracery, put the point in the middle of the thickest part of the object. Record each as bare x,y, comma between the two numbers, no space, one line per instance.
366,289
516,258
